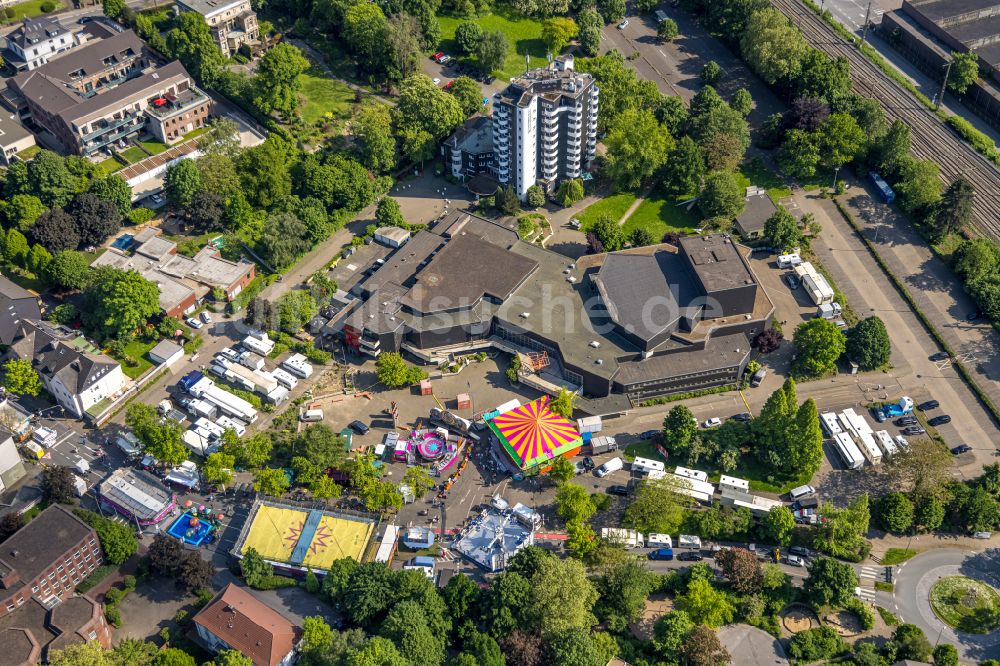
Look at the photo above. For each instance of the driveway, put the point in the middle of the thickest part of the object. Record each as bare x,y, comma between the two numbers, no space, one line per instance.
913,583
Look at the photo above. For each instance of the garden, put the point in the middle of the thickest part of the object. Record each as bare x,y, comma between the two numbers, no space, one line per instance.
966,604
323,98
524,36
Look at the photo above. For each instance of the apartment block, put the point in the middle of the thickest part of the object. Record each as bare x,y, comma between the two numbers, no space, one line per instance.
233,23
545,127
109,92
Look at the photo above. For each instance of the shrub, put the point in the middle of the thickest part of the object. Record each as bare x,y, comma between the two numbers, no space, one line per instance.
275,583
113,596
114,616
863,612
816,644
48,6
129,582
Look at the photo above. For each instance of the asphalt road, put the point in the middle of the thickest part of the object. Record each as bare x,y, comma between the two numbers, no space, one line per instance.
913,582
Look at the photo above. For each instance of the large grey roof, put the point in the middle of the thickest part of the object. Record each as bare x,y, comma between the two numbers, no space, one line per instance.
758,210
716,262
36,30
16,305
56,352
722,352
34,547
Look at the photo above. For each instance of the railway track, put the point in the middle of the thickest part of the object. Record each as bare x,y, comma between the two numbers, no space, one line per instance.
931,138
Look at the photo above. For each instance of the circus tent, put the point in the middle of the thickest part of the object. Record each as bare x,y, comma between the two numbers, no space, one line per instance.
534,436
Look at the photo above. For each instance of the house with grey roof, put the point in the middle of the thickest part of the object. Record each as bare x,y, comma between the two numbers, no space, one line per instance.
468,151
14,139
75,372
36,41
16,305
110,91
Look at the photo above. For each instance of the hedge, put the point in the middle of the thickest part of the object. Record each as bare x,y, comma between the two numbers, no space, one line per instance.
924,319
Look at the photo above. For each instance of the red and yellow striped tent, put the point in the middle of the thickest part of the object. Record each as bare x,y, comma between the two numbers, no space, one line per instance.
534,436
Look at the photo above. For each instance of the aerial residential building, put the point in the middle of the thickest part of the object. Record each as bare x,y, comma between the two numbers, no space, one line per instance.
232,23
237,620
35,42
16,305
75,372
545,127
184,282
109,92
14,139
469,151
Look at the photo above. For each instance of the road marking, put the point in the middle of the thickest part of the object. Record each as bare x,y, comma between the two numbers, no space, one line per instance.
868,572
865,594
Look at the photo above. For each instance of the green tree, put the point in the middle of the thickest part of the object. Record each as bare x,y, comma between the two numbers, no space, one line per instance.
557,32
113,189
841,140
772,46
50,179
394,372
563,584
372,128
894,512
491,52
269,481
218,469
562,470
782,229
469,95
685,167
868,344
703,648
657,507
251,452
573,504
816,644
118,303
232,658
20,377
928,513
669,634
818,345
830,582
57,485
964,71
609,232
191,42
38,259
666,30
22,210
467,36
113,8
419,481
842,531
118,541
562,404
90,653
711,73
680,429
705,605
378,651
182,182
954,212
569,192
636,148
424,106
778,525
799,154
945,654
623,589
254,568
277,80
161,439
910,643
893,148
721,197
805,440
918,187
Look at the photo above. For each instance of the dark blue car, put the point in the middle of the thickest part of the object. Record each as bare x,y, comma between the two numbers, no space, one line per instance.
662,554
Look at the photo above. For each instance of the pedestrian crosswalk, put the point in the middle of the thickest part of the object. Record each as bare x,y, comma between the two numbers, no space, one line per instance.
870,572
865,594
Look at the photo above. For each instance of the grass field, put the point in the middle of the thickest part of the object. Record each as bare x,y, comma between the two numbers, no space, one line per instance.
614,205
30,8
134,154
523,35
660,214
966,604
897,556
137,349
110,165
644,449
154,147
753,172
322,95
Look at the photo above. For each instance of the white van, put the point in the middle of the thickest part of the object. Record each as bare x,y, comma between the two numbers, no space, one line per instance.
311,415
801,491
612,465
659,541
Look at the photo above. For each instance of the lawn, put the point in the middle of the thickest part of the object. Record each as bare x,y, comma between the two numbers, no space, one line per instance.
753,172
153,147
660,215
322,95
134,154
614,205
137,349
30,8
966,604
643,449
109,165
897,556
523,35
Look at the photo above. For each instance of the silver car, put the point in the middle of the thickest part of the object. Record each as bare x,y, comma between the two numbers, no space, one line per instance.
795,561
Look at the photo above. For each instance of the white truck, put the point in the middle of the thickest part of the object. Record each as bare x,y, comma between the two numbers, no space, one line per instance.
599,445
623,537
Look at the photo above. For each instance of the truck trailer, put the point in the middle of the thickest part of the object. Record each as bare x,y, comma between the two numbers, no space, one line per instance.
848,451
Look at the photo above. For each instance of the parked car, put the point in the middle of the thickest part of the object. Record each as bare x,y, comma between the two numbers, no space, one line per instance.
690,557
623,24
437,56
588,462
661,554
436,80
904,421
621,491
713,422
961,448
650,434
939,356
973,316
193,323
878,414
359,427
206,317
914,430
744,417
939,420
929,405
798,550
982,535
792,281
579,468
795,561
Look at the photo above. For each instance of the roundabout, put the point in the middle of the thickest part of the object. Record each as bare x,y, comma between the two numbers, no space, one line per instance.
940,591
966,604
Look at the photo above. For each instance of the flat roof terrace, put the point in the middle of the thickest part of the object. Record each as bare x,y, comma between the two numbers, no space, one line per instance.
942,10
716,262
